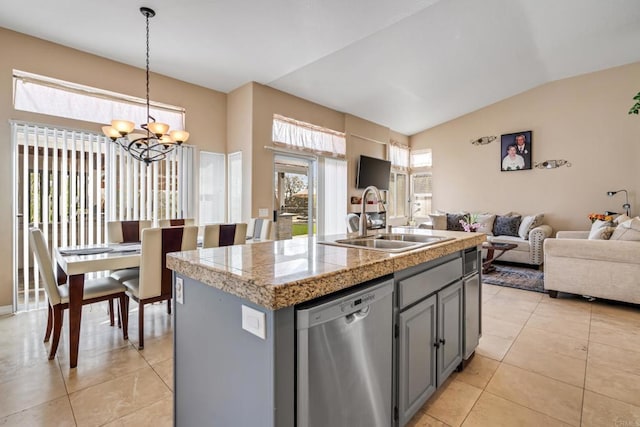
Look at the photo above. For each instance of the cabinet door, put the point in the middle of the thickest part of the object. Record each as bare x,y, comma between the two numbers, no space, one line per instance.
472,314
416,358
449,330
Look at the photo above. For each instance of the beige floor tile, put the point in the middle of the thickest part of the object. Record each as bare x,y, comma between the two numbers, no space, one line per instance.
567,304
547,341
53,413
478,372
521,294
423,420
625,336
452,404
615,357
165,372
158,414
503,300
555,365
157,349
94,369
494,411
500,328
616,310
493,347
560,324
616,383
599,410
534,391
505,312
31,387
490,289
108,401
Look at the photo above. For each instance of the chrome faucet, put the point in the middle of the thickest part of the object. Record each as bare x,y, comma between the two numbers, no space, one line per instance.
362,228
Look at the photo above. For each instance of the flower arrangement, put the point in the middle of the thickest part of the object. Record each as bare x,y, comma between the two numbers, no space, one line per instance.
602,217
470,223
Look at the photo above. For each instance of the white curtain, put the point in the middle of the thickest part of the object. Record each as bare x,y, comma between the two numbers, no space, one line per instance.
399,156
332,206
302,135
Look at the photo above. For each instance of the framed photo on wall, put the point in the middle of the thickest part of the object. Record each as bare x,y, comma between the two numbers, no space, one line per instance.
515,151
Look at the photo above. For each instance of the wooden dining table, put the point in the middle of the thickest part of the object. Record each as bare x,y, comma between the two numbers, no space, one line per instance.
74,263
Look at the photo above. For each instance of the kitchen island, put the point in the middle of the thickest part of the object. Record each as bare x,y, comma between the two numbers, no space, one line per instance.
235,330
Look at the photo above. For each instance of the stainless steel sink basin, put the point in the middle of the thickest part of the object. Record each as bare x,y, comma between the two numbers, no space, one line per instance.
390,242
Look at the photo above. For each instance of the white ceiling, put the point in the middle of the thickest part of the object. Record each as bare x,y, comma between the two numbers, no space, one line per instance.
405,64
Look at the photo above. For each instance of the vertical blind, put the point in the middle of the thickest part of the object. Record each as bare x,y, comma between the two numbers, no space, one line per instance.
212,188
69,183
333,194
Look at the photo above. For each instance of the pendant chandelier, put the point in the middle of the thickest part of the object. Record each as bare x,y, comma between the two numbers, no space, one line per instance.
155,141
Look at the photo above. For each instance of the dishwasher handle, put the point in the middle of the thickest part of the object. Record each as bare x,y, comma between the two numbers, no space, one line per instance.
358,315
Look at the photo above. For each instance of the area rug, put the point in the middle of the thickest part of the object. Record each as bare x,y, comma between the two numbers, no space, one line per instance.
515,277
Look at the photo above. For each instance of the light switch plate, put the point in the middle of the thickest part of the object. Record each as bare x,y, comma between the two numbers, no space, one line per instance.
262,213
179,290
254,321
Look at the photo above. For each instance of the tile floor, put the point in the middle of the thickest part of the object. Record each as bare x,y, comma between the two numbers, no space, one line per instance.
540,362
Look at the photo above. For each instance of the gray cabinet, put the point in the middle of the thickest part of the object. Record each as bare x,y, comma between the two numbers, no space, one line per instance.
417,357
450,337
430,336
472,313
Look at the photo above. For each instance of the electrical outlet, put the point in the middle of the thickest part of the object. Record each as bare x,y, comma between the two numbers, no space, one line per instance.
179,292
263,213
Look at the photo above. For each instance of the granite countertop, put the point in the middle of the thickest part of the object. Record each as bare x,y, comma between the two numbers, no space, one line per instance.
278,274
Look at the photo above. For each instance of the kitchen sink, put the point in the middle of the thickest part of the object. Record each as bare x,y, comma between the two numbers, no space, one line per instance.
390,242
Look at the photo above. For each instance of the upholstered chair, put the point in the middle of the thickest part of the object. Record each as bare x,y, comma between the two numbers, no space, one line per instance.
176,222
353,223
126,231
259,229
224,235
154,282
95,290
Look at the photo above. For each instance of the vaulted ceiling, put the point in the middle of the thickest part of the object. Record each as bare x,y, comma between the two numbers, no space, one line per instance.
405,64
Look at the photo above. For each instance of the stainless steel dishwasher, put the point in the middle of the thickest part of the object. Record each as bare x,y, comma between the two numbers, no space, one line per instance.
344,359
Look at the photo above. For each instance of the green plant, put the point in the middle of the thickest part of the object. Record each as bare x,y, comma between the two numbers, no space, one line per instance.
636,106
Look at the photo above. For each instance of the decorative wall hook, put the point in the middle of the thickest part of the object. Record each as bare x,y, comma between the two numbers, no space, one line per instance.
551,164
484,140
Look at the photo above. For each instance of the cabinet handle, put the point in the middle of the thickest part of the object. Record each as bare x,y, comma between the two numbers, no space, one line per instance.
436,344
442,341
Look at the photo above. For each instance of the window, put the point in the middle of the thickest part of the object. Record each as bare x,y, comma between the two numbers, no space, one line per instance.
421,182
234,161
212,188
398,188
45,95
308,137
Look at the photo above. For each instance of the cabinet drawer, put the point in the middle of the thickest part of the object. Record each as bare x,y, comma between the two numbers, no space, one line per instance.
420,285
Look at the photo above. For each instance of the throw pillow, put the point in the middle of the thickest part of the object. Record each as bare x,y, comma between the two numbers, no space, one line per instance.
628,230
439,221
486,223
506,226
602,233
597,228
528,223
621,218
453,222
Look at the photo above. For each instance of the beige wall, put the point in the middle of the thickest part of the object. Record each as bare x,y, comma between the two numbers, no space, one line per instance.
582,119
206,110
239,137
267,102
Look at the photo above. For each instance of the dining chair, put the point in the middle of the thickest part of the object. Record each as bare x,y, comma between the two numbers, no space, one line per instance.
154,283
224,235
176,222
353,223
259,229
95,290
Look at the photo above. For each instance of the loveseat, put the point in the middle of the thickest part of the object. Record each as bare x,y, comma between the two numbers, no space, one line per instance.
528,232
595,267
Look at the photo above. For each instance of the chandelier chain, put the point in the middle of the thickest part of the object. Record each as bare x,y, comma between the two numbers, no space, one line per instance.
147,64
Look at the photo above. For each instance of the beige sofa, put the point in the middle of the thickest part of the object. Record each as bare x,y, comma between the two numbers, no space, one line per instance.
608,269
530,250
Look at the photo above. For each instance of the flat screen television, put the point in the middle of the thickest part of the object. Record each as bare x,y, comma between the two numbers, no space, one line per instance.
372,171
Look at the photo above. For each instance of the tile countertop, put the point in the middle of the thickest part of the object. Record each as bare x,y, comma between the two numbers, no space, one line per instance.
278,274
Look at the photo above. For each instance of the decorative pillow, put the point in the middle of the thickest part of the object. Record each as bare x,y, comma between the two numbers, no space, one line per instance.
628,230
506,226
528,223
598,227
621,218
486,223
439,221
602,233
453,221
